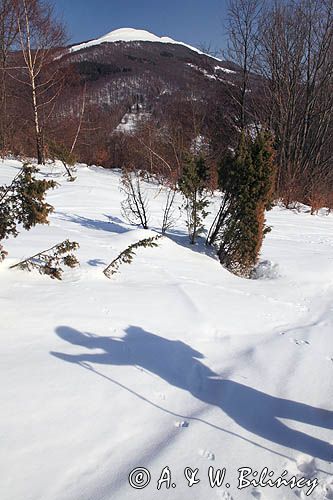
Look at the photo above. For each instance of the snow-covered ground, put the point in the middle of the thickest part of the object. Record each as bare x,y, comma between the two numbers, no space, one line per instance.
174,362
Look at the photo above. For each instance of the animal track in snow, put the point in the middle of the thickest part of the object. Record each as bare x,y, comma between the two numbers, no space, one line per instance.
160,395
207,454
182,424
300,342
328,490
224,495
304,466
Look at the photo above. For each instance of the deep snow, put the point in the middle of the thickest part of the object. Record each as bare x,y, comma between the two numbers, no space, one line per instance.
175,362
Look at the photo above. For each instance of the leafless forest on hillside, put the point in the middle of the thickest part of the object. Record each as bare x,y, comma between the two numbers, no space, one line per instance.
143,105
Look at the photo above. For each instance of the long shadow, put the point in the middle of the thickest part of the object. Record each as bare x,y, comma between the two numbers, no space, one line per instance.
180,365
182,239
112,225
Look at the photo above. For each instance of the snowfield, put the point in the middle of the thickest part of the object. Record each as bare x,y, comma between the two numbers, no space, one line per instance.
174,362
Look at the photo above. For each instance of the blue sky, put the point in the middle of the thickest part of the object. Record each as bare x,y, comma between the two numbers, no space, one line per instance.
190,21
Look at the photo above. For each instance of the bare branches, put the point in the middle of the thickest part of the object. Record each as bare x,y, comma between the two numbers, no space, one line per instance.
8,35
168,212
135,205
40,36
296,47
242,27
83,107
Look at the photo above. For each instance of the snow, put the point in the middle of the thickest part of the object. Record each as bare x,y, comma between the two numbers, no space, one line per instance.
130,122
203,71
225,70
174,362
133,35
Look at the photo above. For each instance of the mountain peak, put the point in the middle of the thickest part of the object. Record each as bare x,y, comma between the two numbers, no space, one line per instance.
132,35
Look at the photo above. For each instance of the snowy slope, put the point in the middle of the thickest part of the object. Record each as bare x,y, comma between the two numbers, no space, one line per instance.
132,35
175,362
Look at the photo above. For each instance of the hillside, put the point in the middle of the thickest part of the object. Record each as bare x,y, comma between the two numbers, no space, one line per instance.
174,362
134,76
129,76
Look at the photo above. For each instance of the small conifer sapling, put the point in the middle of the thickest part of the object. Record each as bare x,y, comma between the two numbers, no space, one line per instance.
23,202
192,185
127,255
247,180
50,262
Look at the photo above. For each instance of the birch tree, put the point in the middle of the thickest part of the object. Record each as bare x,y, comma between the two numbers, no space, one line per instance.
41,37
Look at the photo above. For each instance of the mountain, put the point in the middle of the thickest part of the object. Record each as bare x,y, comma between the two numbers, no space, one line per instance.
131,35
129,62
130,75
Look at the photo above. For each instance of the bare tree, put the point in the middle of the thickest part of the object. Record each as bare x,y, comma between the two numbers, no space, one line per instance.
296,49
135,205
40,34
8,35
242,28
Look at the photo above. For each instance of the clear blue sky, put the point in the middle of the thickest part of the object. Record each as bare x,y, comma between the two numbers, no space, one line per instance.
190,21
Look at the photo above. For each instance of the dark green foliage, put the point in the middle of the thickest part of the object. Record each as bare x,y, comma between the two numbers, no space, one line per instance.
246,179
23,202
127,255
192,185
50,262
58,151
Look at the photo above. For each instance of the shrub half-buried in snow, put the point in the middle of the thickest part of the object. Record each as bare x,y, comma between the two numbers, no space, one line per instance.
50,261
127,255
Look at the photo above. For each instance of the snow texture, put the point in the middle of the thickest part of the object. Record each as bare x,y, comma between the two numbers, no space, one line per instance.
174,362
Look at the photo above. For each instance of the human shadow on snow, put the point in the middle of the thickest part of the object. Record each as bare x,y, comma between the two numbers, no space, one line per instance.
181,366
112,225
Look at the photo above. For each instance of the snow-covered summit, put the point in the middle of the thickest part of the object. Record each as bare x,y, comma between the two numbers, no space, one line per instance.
131,35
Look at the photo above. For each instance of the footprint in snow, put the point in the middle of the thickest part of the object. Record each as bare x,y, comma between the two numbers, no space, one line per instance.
207,454
300,342
328,490
182,424
224,495
304,466
300,494
160,395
